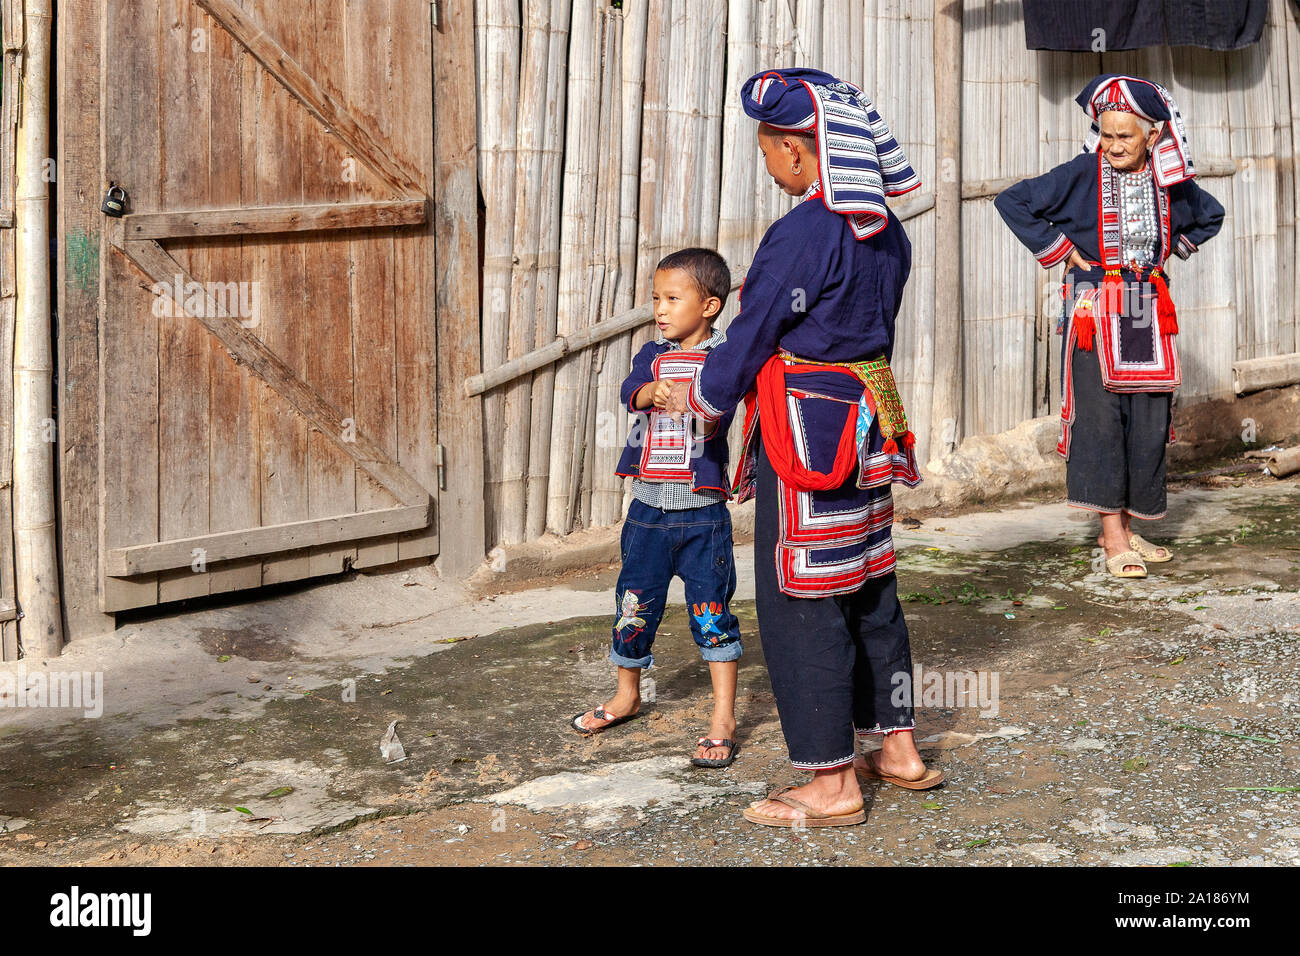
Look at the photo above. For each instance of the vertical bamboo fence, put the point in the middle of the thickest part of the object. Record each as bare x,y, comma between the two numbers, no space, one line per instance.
611,134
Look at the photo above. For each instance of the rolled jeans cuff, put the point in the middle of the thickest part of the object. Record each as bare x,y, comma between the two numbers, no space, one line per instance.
730,651
641,662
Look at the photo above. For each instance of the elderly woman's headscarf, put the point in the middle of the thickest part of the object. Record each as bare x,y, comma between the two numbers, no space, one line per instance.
860,162
1171,156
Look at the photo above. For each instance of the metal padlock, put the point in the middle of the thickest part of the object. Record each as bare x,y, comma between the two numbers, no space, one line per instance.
114,203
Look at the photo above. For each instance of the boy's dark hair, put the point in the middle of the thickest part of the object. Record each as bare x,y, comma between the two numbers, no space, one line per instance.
706,267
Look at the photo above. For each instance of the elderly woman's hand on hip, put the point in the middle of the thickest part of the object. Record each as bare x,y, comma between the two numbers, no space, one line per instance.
1076,261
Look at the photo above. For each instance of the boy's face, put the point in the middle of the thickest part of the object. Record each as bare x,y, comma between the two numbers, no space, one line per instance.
680,309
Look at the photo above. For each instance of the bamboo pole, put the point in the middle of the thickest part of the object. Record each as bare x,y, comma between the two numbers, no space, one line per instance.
578,219
498,38
539,449
612,421
40,631
946,405
600,485
808,36
534,95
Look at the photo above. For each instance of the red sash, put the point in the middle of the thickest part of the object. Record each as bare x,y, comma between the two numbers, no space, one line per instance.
770,390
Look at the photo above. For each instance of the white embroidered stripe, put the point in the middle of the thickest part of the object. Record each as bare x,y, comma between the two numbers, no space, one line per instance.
821,766
1054,253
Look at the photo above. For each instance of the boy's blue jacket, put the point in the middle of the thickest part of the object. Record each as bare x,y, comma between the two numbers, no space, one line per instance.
710,466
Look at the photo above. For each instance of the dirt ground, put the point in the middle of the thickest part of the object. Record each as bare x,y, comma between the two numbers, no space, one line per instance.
1150,722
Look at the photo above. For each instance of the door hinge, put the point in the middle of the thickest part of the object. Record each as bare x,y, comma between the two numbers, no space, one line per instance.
442,470
433,12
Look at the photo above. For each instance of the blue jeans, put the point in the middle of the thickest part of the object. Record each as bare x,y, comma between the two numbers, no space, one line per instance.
694,545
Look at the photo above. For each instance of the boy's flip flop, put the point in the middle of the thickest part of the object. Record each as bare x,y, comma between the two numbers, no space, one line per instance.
811,817
710,743
600,713
931,779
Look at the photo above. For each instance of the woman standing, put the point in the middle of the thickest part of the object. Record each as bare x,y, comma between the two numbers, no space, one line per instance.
1114,214
825,436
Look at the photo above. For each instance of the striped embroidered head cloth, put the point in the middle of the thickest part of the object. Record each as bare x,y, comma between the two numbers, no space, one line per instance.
1171,158
859,161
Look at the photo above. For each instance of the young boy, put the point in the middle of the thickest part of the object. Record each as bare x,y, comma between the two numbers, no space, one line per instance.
678,523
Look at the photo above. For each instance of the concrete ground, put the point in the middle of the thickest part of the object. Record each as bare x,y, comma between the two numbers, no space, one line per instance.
1151,722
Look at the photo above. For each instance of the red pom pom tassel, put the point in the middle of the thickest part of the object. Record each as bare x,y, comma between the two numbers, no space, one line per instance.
908,440
890,447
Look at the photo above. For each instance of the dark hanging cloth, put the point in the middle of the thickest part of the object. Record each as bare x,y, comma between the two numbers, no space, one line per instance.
1133,24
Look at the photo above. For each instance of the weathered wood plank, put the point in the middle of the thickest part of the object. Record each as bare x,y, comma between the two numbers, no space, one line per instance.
331,475
77,289
128,326
270,539
245,221
234,489
366,59
415,267
279,130
247,349
460,423
183,387
245,27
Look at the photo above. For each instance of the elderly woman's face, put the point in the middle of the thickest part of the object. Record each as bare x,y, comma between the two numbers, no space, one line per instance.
1123,141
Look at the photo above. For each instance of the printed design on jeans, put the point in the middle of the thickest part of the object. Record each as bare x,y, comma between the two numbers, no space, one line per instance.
707,617
629,609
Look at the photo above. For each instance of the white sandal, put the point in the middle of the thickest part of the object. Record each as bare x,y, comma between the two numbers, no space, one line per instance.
1117,564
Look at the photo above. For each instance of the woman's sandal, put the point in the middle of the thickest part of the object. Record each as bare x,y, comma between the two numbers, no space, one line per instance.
1150,552
710,743
811,817
1117,564
600,713
871,772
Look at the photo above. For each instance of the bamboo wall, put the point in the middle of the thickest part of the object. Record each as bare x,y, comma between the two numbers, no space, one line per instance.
609,137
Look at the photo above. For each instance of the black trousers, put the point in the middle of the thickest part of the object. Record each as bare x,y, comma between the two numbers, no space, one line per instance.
1117,445
837,664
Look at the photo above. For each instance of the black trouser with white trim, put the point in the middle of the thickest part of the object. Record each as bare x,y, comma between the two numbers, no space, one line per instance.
1117,445
836,663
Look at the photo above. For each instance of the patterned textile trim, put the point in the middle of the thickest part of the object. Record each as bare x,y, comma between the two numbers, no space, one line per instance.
878,377
668,452
827,765
1058,251
886,731
1098,508
807,521
1161,374
1109,227
1067,392
813,572
1139,515
700,408
859,161
1185,248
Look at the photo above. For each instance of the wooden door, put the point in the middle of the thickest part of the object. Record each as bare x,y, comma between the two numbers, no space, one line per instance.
278,421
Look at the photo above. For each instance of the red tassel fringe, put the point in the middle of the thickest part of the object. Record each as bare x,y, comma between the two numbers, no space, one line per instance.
1084,328
890,447
1166,315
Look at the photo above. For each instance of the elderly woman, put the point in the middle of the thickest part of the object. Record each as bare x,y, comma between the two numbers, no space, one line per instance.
1114,214
825,435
